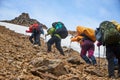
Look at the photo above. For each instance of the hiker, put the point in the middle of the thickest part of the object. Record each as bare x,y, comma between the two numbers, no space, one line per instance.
35,30
57,32
109,37
86,38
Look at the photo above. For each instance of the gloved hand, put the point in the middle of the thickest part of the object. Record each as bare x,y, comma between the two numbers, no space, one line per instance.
46,35
26,31
99,44
72,39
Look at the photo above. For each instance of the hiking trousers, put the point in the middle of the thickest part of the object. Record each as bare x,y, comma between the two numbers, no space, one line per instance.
57,42
88,46
111,52
35,38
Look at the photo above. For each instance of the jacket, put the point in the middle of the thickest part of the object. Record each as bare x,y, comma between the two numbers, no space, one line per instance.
51,31
34,26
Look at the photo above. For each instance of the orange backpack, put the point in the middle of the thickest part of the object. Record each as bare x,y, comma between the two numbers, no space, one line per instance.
87,31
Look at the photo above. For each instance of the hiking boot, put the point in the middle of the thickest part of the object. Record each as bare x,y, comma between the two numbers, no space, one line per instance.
49,51
87,65
95,65
93,60
39,44
62,54
85,58
35,45
116,67
118,76
112,77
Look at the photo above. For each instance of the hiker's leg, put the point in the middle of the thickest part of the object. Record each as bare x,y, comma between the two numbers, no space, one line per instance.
84,57
58,45
31,37
90,46
34,42
118,67
38,39
91,56
49,43
118,62
117,55
34,36
110,59
84,48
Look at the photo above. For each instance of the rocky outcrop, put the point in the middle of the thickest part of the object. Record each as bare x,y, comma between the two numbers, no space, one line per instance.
24,19
73,33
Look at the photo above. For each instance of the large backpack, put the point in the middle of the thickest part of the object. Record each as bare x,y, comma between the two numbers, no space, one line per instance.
117,25
60,29
88,33
98,34
109,33
38,29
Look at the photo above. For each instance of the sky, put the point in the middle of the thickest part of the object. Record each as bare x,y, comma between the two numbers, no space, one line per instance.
88,13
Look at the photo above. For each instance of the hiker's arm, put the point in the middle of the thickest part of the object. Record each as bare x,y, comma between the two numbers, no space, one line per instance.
77,38
28,31
46,34
99,44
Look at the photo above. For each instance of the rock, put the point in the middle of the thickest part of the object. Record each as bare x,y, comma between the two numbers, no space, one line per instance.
69,77
74,60
54,66
94,71
44,76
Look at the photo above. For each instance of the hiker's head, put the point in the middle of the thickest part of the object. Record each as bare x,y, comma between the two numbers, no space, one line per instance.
54,23
35,22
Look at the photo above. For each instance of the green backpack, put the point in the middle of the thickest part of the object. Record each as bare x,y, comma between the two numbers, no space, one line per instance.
110,34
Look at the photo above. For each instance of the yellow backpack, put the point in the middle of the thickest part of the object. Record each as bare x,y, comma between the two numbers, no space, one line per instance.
87,31
116,24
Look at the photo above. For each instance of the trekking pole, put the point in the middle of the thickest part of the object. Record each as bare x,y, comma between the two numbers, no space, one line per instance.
99,56
45,39
104,53
25,35
69,47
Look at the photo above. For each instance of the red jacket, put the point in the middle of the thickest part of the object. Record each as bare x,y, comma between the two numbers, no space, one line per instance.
35,25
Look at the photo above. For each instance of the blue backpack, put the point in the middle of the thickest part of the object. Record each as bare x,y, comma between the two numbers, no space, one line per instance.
60,29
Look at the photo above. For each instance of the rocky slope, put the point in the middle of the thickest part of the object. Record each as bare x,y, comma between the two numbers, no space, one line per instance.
20,60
